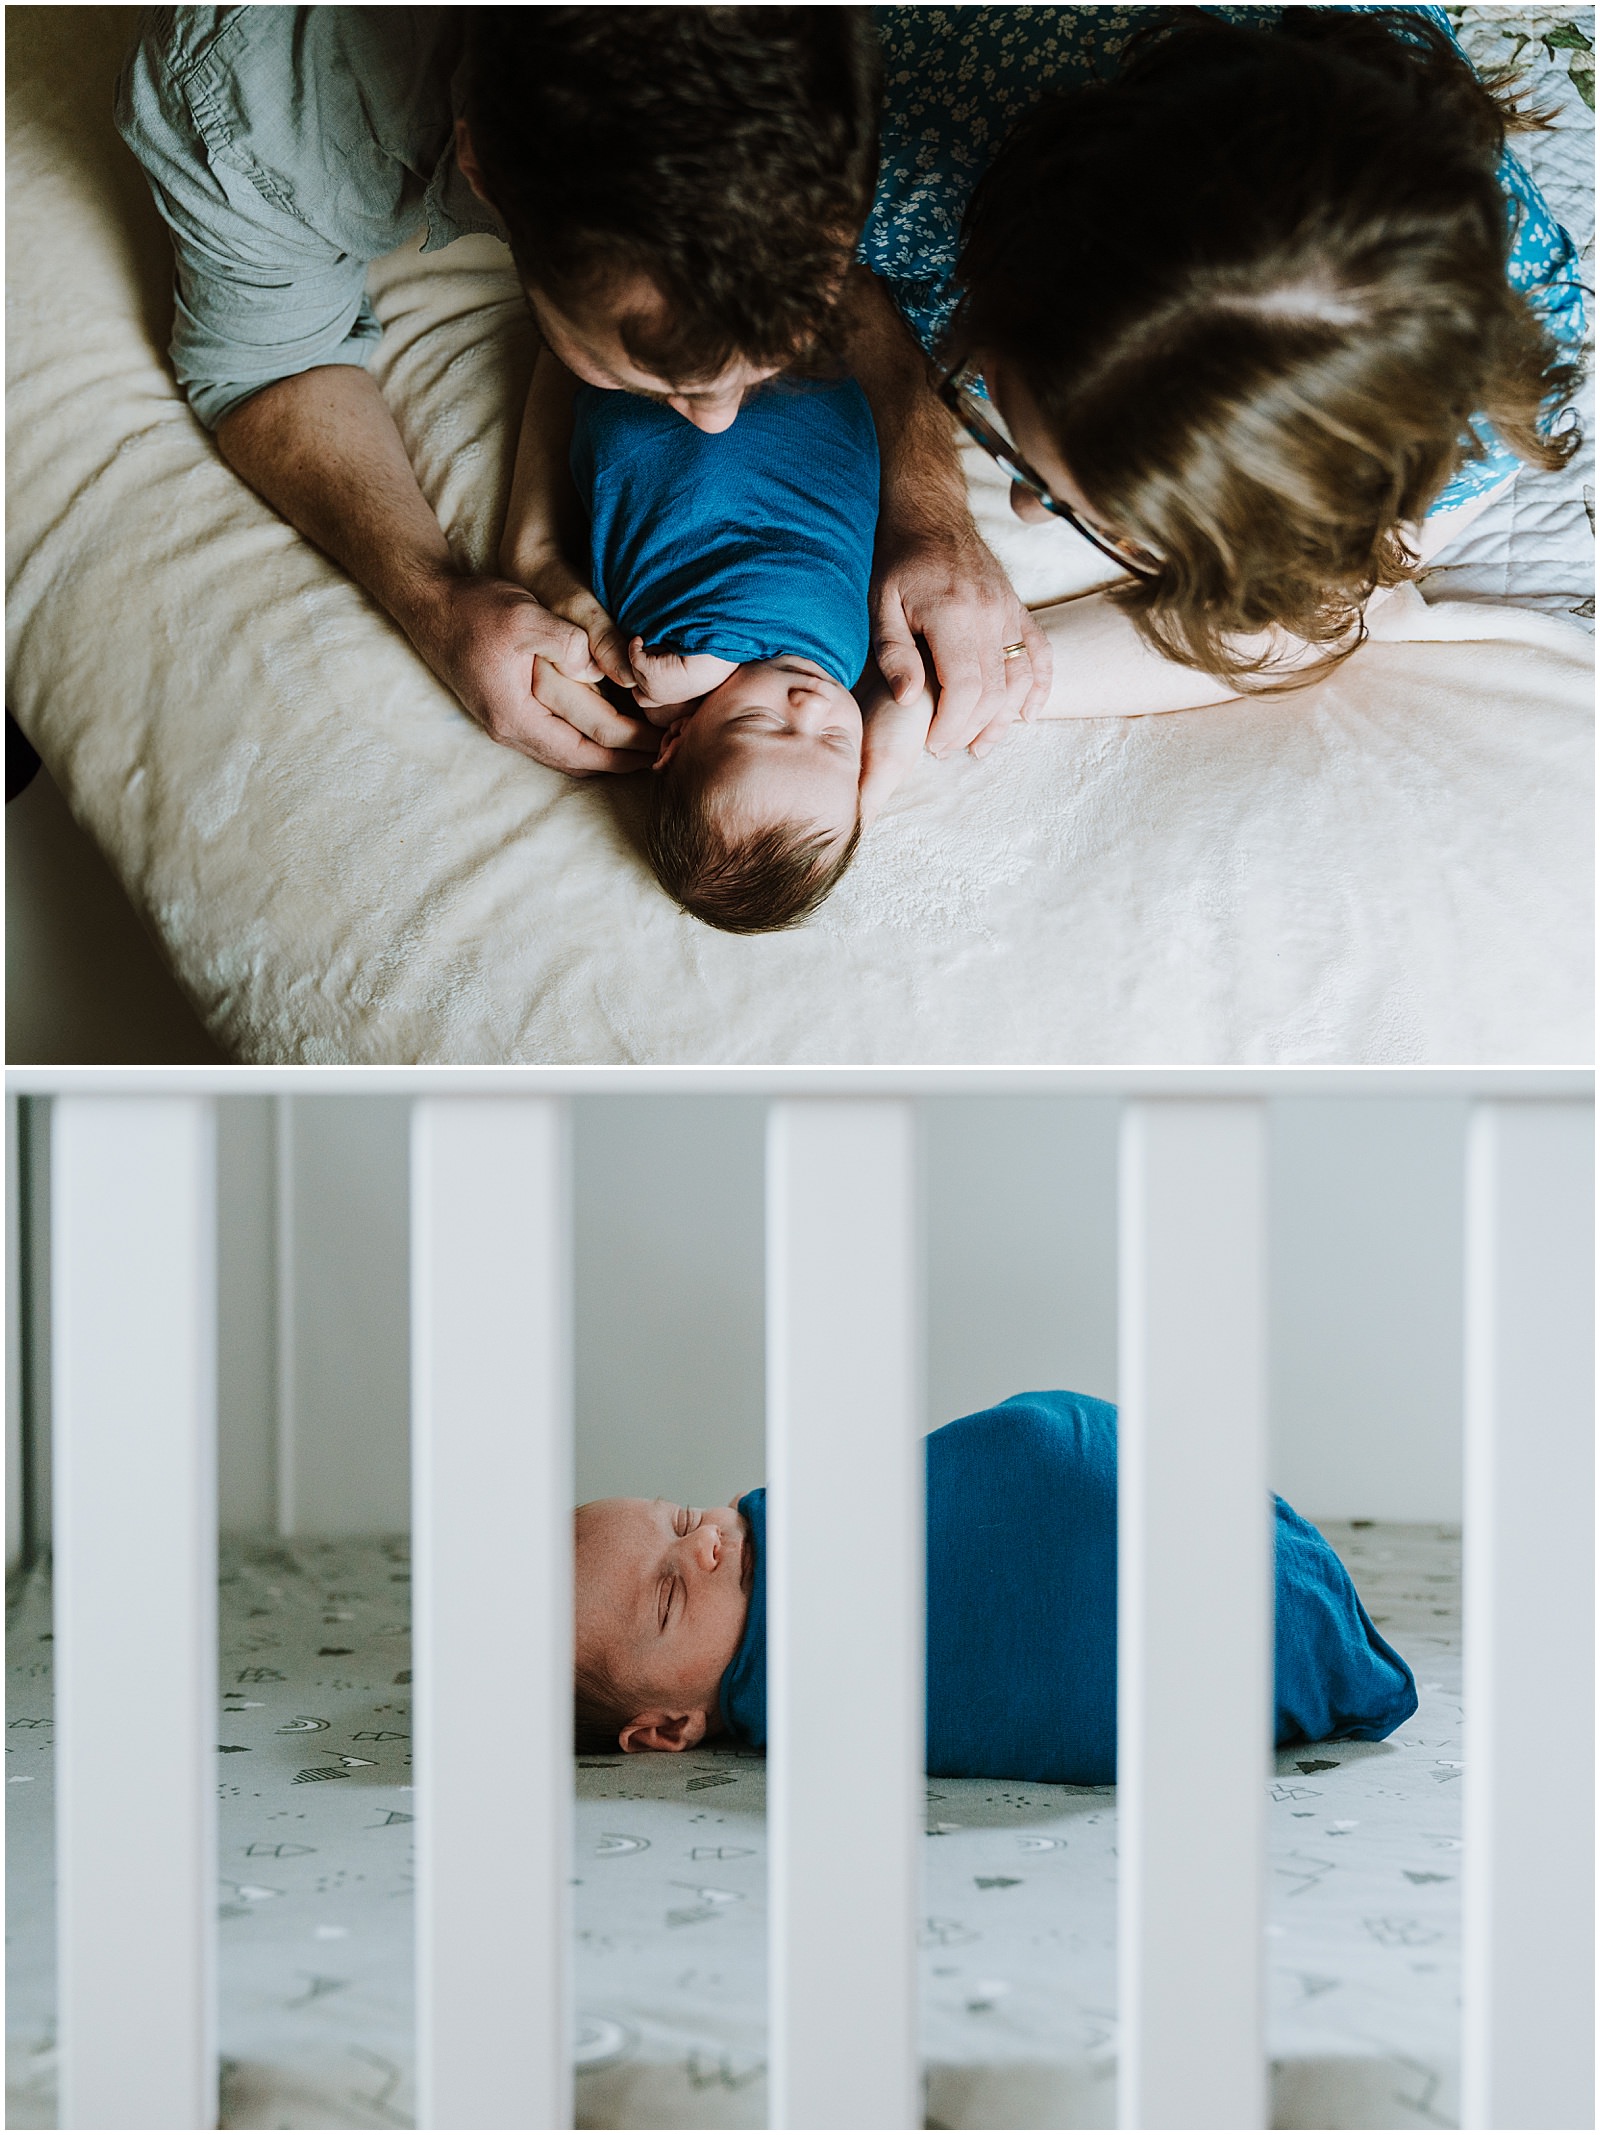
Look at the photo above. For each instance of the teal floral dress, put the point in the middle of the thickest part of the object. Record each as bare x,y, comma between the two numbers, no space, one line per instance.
955,80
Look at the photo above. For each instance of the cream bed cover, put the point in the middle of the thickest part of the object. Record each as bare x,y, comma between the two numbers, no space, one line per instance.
1391,866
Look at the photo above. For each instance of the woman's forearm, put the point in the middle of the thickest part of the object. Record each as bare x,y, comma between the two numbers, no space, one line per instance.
1105,670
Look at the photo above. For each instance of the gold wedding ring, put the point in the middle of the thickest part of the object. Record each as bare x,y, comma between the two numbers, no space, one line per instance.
1014,652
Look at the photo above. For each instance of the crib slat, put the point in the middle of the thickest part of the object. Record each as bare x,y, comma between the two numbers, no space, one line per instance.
1528,1620
492,1599
134,1362
844,1584
1194,1615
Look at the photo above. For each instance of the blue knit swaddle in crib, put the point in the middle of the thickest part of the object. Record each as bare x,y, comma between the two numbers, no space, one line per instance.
748,544
1022,1608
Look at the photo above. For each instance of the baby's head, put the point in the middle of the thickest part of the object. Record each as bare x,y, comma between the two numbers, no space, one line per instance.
661,1592
756,808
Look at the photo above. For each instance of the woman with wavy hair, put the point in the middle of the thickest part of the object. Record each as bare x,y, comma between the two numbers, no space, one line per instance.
1257,299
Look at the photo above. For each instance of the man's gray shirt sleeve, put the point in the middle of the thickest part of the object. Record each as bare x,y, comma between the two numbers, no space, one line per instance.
286,148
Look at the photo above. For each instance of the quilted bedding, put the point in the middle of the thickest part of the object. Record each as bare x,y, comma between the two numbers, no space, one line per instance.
1391,866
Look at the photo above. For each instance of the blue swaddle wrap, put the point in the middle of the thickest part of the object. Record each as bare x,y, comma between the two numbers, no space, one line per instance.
749,544
743,1695
1022,1608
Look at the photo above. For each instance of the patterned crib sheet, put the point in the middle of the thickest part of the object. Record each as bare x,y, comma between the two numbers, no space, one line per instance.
1018,1927
314,1840
1018,1935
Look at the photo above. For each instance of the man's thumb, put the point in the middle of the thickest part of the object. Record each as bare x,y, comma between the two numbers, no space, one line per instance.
570,653
611,657
898,660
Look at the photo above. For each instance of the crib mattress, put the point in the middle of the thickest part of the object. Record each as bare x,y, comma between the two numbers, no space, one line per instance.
1394,865
1018,1927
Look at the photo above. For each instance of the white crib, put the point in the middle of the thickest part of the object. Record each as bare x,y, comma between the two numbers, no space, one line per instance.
133,1311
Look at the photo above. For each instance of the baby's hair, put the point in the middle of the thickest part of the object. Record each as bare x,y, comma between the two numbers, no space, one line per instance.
1275,296
745,882
599,1709
601,1705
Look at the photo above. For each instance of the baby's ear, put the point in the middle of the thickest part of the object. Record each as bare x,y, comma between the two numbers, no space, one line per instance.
669,742
664,1731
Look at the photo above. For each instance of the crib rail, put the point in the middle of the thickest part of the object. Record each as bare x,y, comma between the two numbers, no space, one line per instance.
845,1534
134,1309
492,1610
1528,1620
1193,1615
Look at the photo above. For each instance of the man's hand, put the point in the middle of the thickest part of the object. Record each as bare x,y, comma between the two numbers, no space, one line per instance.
556,586
934,577
945,585
526,676
323,450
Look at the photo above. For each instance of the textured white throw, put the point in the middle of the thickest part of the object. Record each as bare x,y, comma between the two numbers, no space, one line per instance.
1393,865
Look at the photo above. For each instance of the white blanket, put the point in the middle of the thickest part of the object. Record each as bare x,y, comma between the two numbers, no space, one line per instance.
1391,866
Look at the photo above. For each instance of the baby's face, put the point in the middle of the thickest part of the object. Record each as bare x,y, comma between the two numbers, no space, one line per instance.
779,741
662,1592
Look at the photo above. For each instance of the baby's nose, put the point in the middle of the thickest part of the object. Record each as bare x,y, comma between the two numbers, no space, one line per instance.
706,1542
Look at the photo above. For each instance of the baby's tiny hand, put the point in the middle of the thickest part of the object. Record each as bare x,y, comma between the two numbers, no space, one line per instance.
891,741
667,681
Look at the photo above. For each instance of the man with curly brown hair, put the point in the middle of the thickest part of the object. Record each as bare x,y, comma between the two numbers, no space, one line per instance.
682,190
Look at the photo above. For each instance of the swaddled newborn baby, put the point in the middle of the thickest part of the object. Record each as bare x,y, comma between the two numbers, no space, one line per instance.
1022,1611
737,565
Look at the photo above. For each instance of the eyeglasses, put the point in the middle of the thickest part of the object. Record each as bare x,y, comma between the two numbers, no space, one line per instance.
978,417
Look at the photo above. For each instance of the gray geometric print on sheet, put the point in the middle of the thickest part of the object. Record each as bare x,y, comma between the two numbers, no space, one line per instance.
1018,1918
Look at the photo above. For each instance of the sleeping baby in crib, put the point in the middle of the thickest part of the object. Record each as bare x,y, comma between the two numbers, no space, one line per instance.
1021,1622
736,565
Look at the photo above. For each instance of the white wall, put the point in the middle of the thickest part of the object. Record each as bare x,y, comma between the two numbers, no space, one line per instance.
247,1386
1367,1301
1365,1282
343,1461
1020,1196
313,1377
1020,1201
669,1296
